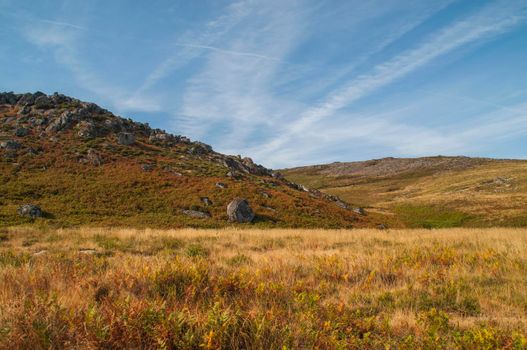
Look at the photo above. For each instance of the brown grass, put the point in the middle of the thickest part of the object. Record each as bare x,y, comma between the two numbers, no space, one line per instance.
263,289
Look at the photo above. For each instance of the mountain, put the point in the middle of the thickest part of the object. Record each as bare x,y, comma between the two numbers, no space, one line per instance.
82,165
427,192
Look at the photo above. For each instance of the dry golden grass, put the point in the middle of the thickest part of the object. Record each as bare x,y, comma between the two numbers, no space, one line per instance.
263,289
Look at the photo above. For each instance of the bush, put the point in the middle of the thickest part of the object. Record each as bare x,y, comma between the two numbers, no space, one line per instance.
197,250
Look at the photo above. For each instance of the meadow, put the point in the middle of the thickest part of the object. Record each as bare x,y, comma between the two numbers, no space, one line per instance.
89,288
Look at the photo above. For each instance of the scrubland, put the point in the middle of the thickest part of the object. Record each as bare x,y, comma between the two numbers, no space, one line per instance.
263,289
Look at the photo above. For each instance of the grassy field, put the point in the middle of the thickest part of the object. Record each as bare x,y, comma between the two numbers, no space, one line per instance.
485,193
255,289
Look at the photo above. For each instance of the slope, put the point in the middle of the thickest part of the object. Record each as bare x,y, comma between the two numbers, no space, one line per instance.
428,192
85,166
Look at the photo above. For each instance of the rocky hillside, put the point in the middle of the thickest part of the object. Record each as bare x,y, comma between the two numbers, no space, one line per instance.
66,162
428,192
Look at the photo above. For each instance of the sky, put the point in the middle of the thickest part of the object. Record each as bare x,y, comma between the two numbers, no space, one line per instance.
287,82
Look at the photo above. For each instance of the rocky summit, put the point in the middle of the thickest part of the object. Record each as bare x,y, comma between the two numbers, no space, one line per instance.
81,164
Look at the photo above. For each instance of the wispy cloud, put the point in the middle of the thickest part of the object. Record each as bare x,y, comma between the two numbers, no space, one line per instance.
62,24
488,22
228,52
58,36
291,82
196,42
238,92
234,91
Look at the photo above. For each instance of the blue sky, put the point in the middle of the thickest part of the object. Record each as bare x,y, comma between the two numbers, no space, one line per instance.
287,82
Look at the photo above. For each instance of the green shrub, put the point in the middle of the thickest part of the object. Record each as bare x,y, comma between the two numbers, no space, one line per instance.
197,250
430,216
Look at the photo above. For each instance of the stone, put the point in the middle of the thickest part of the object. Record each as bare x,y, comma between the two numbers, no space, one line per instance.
196,214
255,169
382,227
43,102
359,211
21,132
315,194
221,185
277,175
24,110
60,98
199,148
184,139
206,201
239,211
147,167
32,151
234,175
265,194
38,121
8,98
10,145
61,122
114,124
27,99
94,158
342,204
86,130
30,210
161,137
126,138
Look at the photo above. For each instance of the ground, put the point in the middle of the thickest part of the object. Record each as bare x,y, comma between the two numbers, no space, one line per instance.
263,289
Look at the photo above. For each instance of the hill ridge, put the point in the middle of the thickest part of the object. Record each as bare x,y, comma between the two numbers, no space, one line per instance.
436,191
86,147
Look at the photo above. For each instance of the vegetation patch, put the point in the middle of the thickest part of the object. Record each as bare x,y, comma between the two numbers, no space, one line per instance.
416,216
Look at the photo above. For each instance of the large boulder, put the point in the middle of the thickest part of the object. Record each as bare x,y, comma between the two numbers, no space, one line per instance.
43,102
27,99
8,98
239,211
126,138
30,210
199,148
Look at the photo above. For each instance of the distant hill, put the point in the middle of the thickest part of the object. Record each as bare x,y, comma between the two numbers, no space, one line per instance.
428,192
82,165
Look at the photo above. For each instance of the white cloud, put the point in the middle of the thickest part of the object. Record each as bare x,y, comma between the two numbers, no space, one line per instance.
239,61
238,91
488,22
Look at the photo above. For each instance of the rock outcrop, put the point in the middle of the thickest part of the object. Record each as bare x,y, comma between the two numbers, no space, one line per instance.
47,136
196,214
